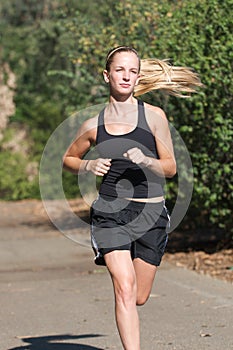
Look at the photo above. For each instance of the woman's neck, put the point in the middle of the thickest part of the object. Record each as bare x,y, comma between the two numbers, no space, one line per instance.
122,99
118,109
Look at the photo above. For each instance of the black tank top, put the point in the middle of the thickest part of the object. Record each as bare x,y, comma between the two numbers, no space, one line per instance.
125,178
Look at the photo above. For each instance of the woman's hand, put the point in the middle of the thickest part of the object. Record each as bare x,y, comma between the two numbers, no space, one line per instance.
99,166
137,156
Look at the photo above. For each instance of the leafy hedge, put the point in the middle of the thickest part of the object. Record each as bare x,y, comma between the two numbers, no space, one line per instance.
59,65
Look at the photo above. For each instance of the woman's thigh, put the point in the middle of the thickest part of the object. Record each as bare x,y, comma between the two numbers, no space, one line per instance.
121,269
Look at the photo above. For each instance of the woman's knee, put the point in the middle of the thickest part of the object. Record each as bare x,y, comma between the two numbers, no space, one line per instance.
126,291
141,299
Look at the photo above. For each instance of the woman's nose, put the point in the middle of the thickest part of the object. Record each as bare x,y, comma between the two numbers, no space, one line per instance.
126,75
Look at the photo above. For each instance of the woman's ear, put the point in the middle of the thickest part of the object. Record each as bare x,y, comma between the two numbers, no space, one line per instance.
106,76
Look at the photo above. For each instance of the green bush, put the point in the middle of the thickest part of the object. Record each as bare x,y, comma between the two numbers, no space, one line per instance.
14,183
59,59
196,34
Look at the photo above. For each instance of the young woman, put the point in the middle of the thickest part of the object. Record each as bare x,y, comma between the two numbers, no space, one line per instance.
129,217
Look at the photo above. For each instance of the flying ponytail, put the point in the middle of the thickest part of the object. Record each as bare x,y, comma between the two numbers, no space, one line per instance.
160,75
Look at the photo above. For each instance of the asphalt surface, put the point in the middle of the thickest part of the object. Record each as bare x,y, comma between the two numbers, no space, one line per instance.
52,296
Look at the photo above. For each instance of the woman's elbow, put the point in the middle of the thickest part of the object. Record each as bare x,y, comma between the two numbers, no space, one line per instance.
65,162
172,170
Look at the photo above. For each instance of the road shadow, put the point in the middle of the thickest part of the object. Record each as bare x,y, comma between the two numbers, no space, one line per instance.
52,342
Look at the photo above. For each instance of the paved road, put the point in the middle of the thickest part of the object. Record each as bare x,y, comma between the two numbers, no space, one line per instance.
52,296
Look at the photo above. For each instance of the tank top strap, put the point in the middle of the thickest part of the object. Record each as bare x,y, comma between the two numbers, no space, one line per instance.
101,117
142,123
100,125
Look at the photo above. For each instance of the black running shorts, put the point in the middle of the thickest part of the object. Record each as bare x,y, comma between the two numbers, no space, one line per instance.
120,224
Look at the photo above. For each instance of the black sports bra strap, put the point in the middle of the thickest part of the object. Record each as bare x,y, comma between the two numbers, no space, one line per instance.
100,126
142,123
140,102
101,117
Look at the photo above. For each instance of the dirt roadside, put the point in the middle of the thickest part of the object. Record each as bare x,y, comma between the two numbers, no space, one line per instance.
183,250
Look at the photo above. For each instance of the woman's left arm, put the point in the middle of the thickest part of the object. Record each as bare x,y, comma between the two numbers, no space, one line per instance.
165,166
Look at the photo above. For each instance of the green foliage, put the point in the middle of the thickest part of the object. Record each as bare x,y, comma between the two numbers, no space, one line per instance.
14,182
18,172
196,34
205,122
58,48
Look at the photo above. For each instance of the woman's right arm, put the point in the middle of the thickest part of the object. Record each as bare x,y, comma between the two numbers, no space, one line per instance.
72,160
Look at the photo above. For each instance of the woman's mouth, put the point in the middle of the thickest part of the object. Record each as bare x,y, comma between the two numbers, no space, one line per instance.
125,85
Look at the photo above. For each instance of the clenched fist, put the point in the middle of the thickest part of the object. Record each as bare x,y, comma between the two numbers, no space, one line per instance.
99,166
137,156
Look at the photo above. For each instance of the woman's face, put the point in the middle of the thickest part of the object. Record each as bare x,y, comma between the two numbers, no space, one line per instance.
123,74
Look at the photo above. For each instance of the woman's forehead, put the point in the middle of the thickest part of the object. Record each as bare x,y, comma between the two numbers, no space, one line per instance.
126,58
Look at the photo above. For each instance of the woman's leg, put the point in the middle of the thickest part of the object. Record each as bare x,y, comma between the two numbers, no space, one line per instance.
145,274
120,266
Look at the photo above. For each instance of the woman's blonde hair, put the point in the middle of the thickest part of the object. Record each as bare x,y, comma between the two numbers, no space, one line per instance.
158,74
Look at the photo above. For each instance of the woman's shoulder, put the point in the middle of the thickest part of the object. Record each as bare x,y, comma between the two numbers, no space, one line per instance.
151,111
156,117
88,129
90,123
